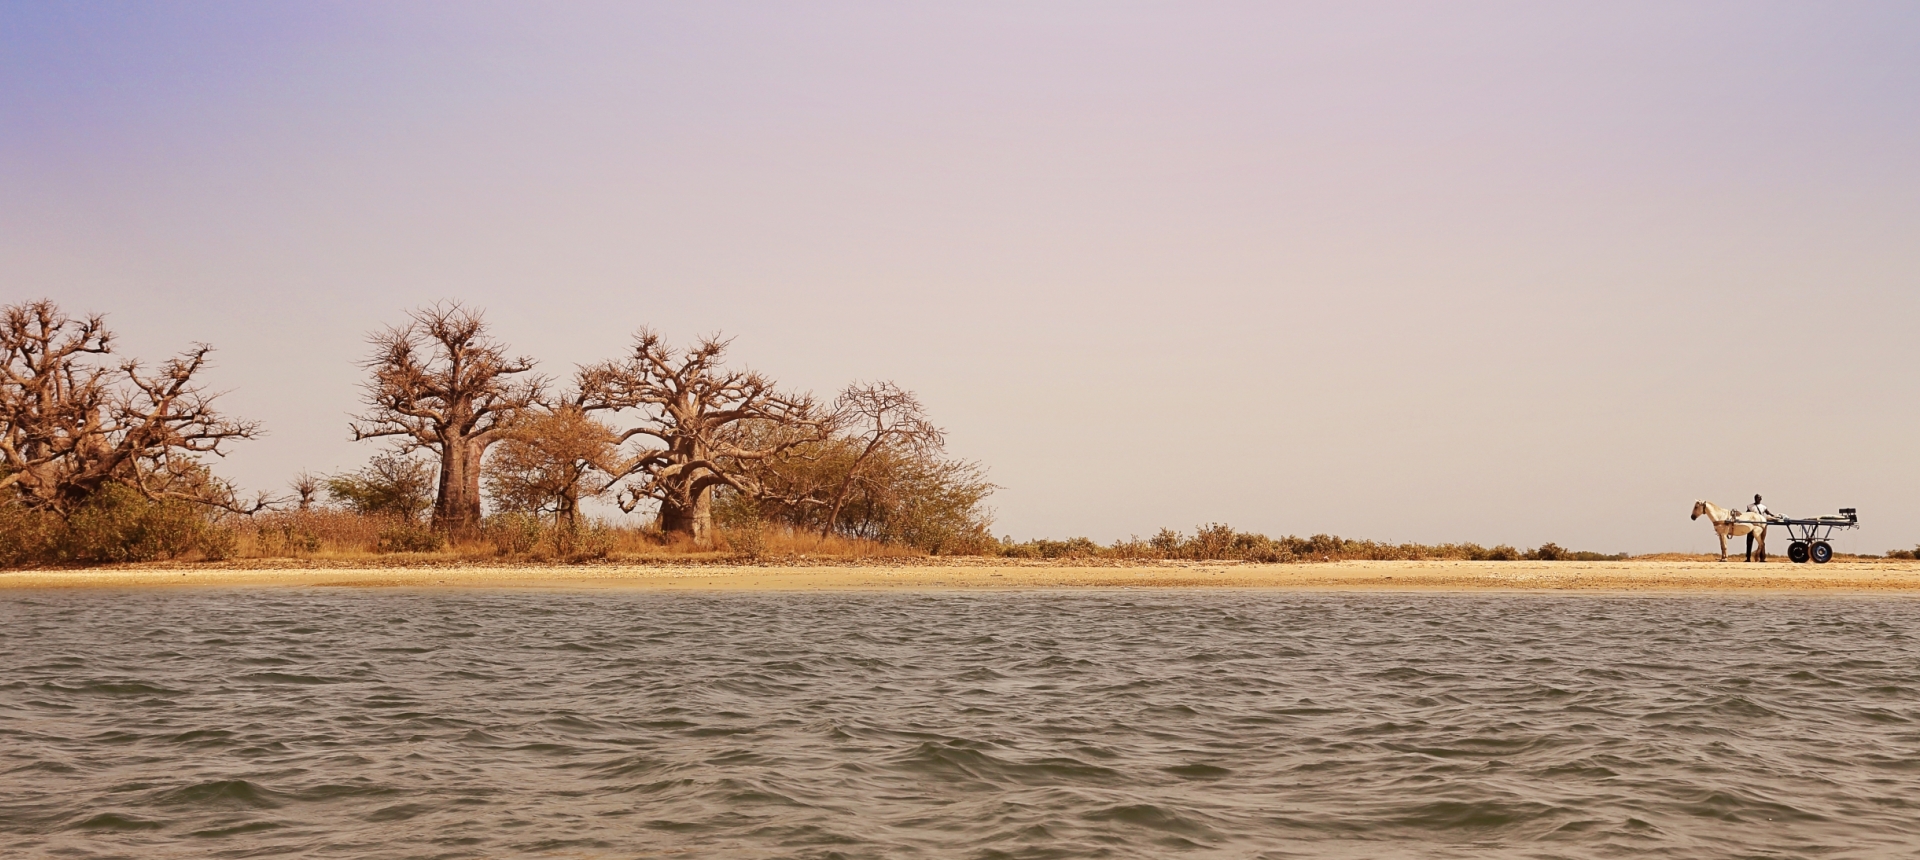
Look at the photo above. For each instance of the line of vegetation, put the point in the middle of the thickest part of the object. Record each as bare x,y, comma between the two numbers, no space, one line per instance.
1217,542
362,523
103,460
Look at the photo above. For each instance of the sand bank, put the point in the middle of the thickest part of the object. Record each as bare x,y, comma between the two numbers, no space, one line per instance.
1623,576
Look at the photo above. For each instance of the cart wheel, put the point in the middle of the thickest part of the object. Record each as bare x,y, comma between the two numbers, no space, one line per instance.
1821,551
1797,552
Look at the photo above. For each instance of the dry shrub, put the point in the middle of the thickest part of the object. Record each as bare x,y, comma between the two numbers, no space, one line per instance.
411,536
117,524
782,542
513,533
27,537
747,540
314,533
910,496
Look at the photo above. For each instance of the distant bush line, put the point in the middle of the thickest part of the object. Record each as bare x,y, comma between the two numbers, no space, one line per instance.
118,525
1218,542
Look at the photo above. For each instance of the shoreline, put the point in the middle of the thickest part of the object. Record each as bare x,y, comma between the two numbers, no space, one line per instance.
1610,577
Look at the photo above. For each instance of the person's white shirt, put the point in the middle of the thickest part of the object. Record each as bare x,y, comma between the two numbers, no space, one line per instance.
1757,508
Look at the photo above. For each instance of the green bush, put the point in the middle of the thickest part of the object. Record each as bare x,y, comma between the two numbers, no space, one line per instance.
118,524
747,540
410,536
1548,552
390,484
28,537
581,541
513,533
524,534
1009,549
285,535
219,542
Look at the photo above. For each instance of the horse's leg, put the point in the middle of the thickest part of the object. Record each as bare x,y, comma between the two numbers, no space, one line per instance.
1763,546
1723,543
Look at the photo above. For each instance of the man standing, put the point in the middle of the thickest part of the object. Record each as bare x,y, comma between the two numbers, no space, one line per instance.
1766,515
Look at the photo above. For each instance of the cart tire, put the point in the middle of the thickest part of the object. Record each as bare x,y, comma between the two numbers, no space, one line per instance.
1821,552
1797,552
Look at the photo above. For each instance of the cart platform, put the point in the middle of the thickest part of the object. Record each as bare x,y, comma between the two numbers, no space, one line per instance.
1811,534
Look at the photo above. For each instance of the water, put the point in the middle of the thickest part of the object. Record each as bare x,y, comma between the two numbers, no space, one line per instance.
1086,724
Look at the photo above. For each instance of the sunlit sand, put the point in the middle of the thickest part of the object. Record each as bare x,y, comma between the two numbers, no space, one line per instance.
1611,576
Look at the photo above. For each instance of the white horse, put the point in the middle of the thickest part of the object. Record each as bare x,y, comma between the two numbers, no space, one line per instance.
1733,523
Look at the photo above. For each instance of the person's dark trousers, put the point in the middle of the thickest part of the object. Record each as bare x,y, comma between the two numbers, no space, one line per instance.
1749,546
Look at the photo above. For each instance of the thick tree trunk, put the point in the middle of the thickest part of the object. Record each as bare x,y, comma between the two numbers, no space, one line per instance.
694,521
456,509
470,512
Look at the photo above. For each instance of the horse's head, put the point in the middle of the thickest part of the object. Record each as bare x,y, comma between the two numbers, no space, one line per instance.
1699,507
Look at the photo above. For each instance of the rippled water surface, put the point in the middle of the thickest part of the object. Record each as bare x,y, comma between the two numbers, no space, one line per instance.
1084,724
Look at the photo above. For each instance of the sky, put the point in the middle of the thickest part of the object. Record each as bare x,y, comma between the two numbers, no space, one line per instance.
1505,272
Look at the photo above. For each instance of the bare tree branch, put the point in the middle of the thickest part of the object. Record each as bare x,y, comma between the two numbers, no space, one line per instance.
881,415
69,425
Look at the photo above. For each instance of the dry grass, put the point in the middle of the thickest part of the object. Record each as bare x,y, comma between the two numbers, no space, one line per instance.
333,537
336,535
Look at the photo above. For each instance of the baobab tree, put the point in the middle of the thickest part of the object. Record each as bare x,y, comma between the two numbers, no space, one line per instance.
686,403
71,423
441,383
305,488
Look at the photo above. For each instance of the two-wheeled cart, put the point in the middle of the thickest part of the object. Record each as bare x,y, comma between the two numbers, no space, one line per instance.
1810,536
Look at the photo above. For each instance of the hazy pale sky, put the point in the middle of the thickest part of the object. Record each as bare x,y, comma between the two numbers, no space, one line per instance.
1499,272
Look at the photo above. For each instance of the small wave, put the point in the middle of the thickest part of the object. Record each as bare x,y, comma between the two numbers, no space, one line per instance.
948,760
720,731
44,766
1151,817
732,791
110,688
399,812
337,791
1733,806
978,674
546,749
116,821
286,678
202,737
1198,771
1472,815
236,829
221,793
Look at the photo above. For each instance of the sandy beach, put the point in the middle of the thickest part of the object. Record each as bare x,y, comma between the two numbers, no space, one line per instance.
1599,577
